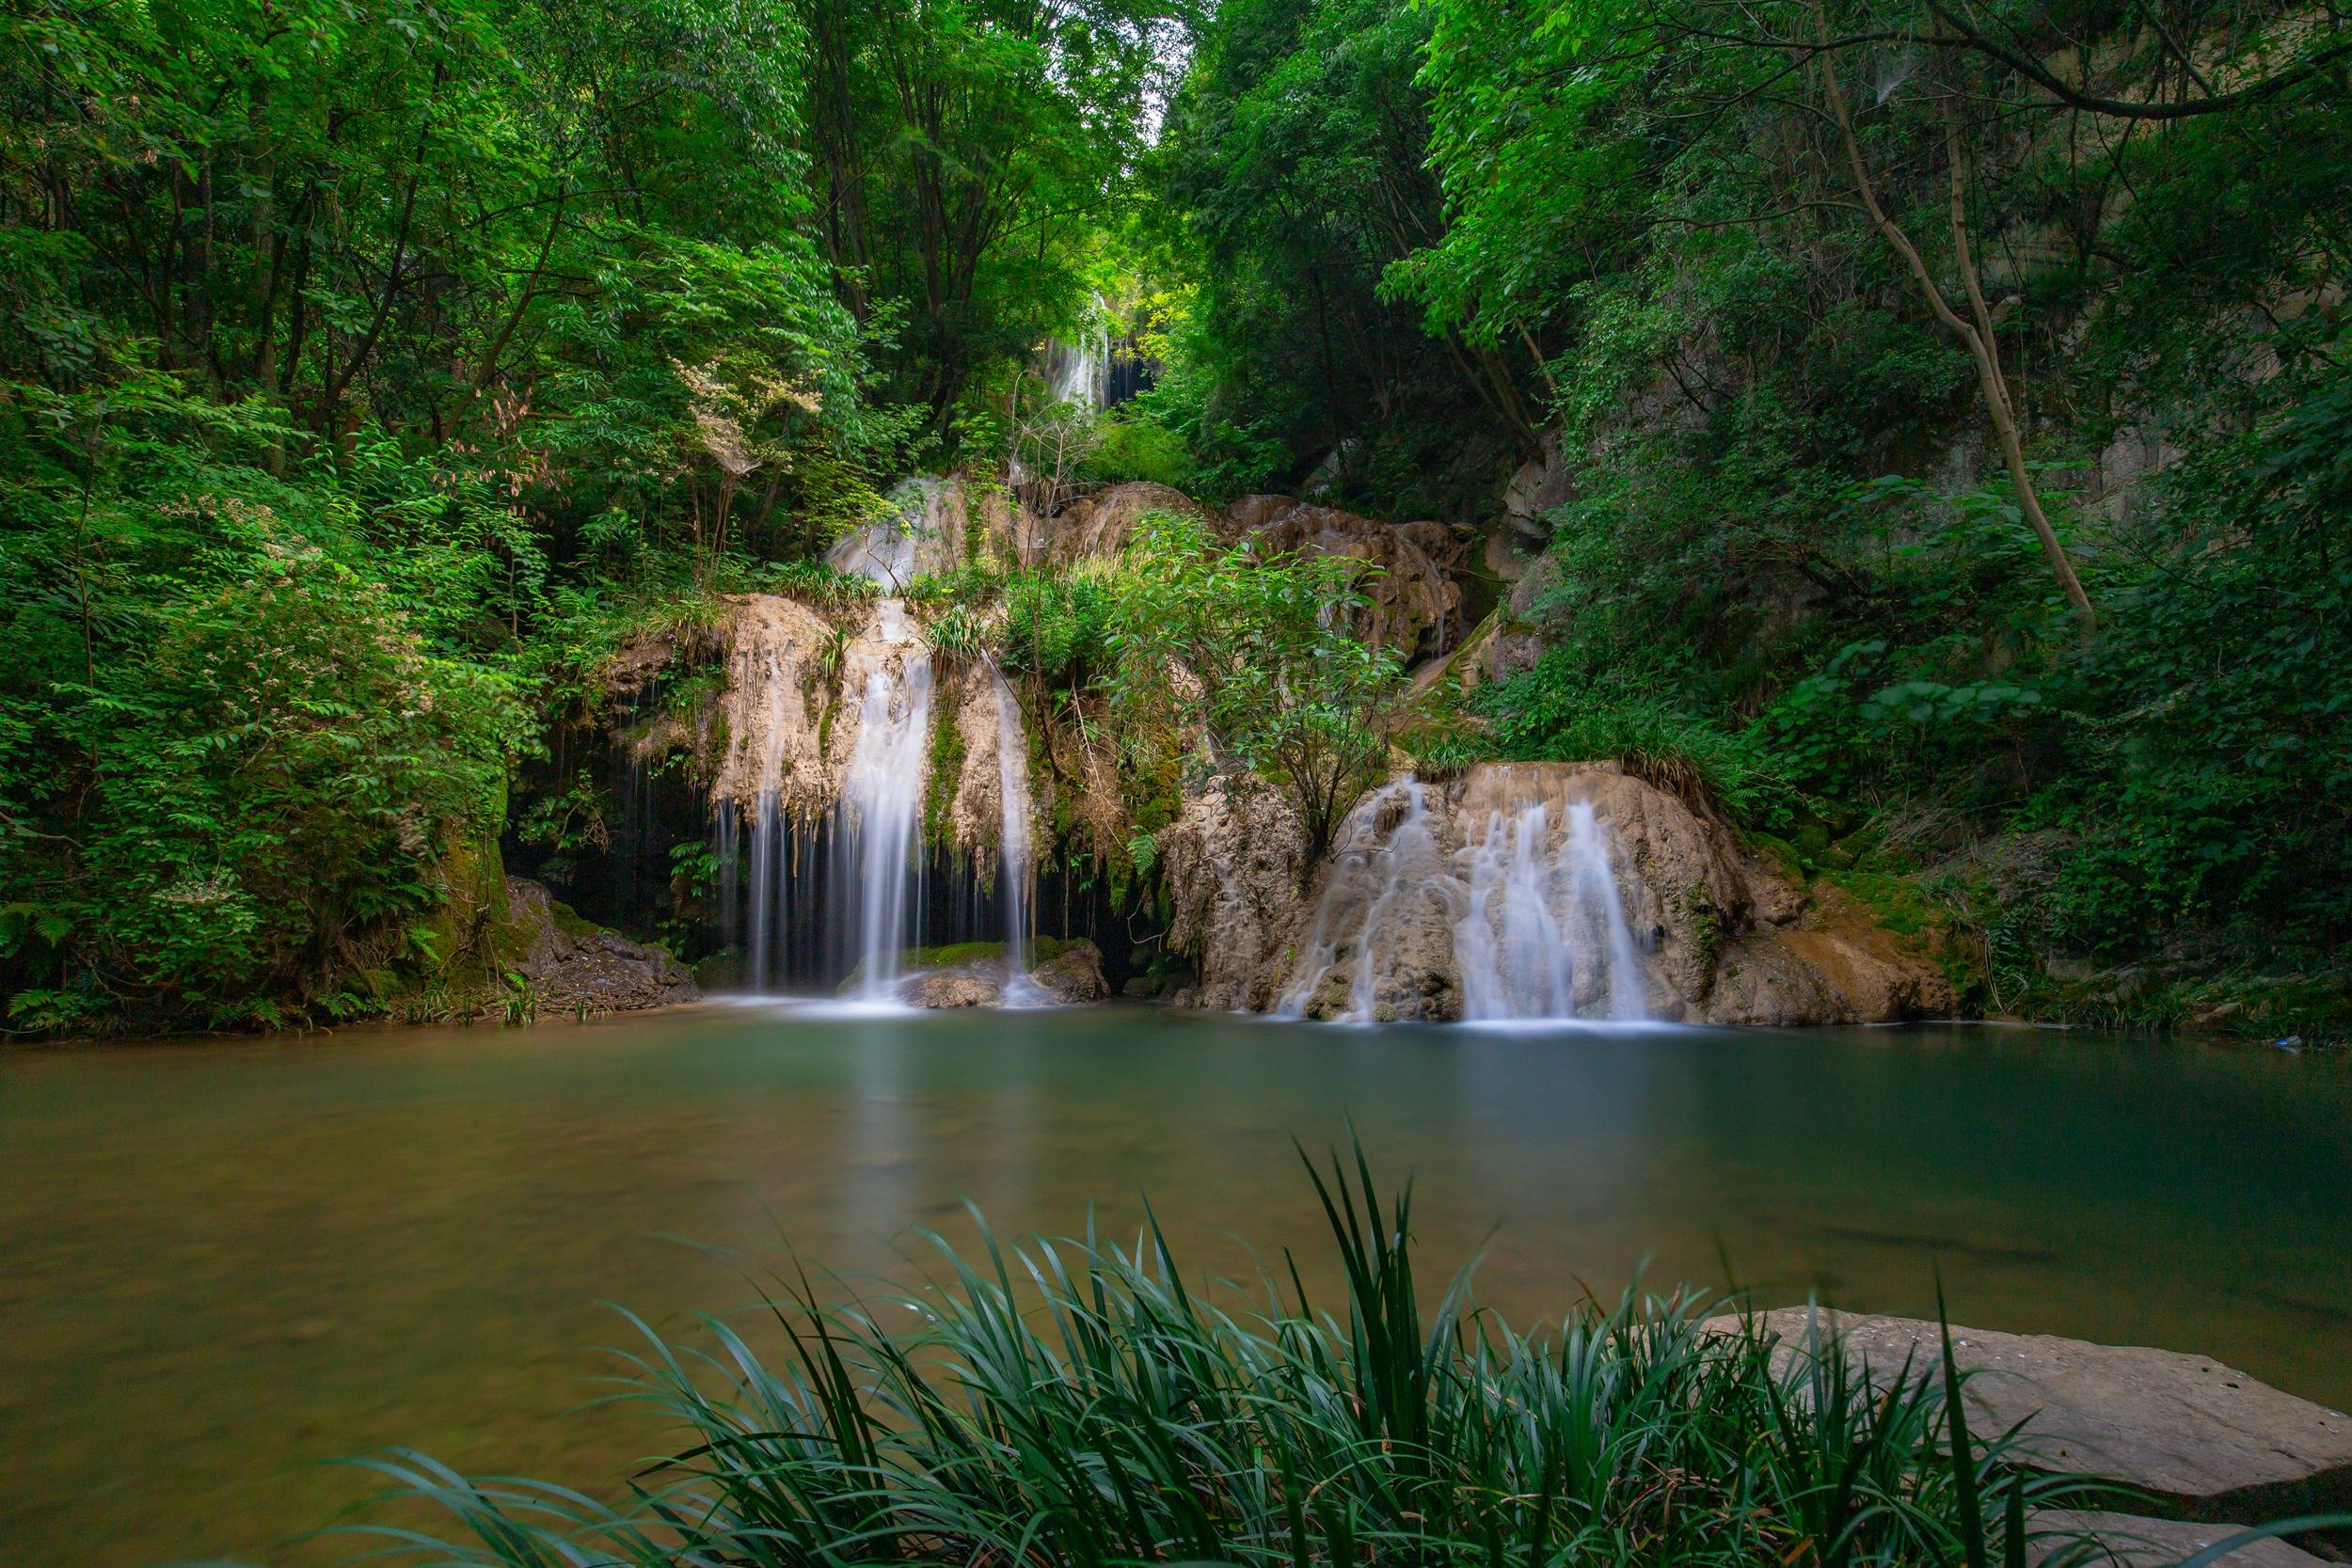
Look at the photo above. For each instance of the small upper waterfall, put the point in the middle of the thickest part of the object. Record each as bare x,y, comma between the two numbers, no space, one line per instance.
1080,372
1543,932
877,832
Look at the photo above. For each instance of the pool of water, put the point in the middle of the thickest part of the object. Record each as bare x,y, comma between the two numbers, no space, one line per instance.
228,1263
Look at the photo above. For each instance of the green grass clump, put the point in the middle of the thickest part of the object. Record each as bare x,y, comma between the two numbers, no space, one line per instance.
1075,1402
819,584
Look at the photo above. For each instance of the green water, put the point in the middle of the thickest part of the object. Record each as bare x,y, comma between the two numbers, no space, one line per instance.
227,1262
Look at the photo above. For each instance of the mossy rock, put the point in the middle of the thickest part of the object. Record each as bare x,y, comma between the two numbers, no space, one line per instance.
1894,902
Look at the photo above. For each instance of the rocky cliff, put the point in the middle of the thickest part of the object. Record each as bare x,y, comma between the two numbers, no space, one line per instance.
1720,934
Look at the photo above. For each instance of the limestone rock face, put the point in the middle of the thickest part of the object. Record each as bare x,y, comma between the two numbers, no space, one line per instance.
971,699
1075,975
1721,934
1538,486
1412,595
776,735
1380,945
2185,1428
573,965
2134,1541
1101,525
795,735
1232,860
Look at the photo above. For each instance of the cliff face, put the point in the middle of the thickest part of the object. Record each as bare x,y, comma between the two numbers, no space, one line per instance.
1513,890
1719,935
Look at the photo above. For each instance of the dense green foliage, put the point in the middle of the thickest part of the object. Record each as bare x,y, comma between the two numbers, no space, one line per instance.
367,372
1190,658
1080,1402
1796,565
1939,418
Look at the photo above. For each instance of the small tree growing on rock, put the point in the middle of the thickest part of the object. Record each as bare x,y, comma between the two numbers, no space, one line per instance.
1254,653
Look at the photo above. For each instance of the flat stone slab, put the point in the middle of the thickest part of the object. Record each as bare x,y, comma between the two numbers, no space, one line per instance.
2136,1542
2186,1428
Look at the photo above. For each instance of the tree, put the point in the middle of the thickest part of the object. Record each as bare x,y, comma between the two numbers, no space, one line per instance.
1257,655
967,154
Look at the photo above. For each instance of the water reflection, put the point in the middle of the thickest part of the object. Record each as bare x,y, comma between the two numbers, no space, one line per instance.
228,1260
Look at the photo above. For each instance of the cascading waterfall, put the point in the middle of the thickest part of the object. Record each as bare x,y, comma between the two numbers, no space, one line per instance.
1594,887
877,829
768,838
1370,877
1014,865
1409,858
1543,933
1537,930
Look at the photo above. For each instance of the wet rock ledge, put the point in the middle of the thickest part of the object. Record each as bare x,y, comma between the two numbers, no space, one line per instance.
2212,1449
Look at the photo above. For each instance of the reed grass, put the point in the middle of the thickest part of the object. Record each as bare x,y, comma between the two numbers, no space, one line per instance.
1080,1404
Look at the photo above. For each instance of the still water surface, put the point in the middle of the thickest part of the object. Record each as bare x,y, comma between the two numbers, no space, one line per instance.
227,1262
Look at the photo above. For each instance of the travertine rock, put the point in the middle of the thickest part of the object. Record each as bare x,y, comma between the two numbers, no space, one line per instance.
1232,859
1101,525
2184,1428
1073,976
1412,596
1722,936
966,985
777,738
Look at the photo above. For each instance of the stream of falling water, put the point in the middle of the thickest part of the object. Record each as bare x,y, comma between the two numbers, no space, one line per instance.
1014,864
877,829
1543,935
1405,863
768,881
1537,932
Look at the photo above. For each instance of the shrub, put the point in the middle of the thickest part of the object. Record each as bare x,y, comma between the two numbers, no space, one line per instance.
1553,714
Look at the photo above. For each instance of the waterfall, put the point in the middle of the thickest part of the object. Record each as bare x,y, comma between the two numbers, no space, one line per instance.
1601,914
878,829
1080,373
1543,933
891,551
1407,864
1378,873
768,836
1014,865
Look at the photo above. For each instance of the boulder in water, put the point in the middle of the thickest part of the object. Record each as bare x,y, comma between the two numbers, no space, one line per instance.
952,987
2188,1429
1073,976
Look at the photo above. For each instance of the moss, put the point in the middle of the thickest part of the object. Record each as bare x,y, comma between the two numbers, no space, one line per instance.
1042,950
1780,854
2302,1011
572,923
1895,902
1706,926
946,775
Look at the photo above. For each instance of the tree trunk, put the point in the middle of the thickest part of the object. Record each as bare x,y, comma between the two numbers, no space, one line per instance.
1975,335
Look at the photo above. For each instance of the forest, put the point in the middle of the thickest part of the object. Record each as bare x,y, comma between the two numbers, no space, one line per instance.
1918,432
